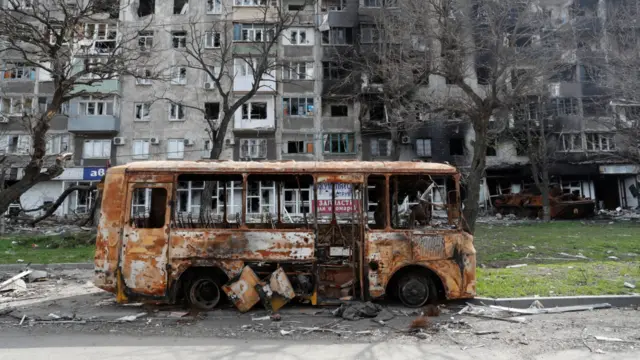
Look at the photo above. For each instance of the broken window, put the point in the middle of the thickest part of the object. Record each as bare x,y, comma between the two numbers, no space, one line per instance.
600,142
337,143
334,71
299,147
253,149
254,111
492,148
423,147
81,201
339,110
212,110
225,209
214,6
146,7
377,113
298,106
338,36
148,208
416,200
298,71
380,147
212,40
565,106
571,142
180,7
179,39
145,40
456,146
483,75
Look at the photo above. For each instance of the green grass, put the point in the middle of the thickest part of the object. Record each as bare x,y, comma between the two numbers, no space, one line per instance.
595,278
551,274
49,249
500,245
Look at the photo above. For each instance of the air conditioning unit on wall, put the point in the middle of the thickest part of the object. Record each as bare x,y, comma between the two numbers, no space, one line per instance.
189,142
405,139
154,141
119,141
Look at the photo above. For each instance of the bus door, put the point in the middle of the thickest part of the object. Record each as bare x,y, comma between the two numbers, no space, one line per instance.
145,242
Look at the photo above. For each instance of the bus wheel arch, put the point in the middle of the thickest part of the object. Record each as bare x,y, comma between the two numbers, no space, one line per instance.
415,285
201,286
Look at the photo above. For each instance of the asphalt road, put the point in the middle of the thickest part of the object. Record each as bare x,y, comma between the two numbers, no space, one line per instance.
20,346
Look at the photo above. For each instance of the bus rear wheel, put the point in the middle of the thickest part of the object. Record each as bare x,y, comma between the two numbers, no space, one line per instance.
203,292
414,290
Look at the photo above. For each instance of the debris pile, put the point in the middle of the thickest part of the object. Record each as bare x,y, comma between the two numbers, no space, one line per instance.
620,214
529,204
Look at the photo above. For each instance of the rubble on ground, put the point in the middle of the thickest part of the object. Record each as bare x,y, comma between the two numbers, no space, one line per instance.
54,225
620,214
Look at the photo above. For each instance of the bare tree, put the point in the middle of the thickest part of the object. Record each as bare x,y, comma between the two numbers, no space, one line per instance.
485,57
236,60
63,42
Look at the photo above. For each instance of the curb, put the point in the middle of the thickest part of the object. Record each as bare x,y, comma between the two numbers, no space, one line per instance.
63,266
525,302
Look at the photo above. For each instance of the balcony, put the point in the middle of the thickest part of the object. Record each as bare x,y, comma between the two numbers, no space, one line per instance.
94,124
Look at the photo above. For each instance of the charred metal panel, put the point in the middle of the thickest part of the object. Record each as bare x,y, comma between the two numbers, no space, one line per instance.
240,244
450,254
340,178
144,250
242,290
109,231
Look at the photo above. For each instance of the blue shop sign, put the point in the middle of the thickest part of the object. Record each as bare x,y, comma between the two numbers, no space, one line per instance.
93,173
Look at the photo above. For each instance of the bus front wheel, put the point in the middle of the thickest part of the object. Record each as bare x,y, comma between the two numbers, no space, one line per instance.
414,290
203,292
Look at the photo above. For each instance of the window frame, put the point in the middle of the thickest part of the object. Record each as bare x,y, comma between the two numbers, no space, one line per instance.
335,38
374,147
210,39
179,153
287,105
254,144
28,73
424,142
328,138
144,118
293,70
568,139
145,146
144,38
246,111
179,39
104,145
213,7
96,102
294,38
178,109
177,77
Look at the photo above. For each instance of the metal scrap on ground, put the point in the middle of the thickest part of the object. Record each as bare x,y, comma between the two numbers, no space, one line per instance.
246,290
14,278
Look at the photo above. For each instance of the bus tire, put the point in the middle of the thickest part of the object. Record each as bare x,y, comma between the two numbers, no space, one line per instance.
414,290
203,292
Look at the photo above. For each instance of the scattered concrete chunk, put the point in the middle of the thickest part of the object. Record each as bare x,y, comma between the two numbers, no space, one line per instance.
13,279
604,338
613,258
15,287
37,275
516,266
579,256
536,305
629,285
131,317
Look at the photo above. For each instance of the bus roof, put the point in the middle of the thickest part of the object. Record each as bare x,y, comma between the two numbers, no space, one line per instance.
228,166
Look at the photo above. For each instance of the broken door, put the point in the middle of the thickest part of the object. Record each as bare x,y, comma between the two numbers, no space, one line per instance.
143,263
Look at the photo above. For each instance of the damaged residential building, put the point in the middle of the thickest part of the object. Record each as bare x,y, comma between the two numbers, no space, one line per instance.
85,126
316,105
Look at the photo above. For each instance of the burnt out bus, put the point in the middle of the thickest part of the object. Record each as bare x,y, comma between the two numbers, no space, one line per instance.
198,231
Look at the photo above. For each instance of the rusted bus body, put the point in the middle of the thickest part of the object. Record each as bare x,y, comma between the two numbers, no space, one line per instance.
159,258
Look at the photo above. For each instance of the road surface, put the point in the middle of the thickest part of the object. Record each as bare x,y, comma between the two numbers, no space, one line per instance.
20,346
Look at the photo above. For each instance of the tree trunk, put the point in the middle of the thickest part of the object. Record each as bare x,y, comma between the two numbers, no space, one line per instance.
60,200
544,192
475,174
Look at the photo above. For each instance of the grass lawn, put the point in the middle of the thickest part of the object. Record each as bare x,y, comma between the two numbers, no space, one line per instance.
48,249
547,272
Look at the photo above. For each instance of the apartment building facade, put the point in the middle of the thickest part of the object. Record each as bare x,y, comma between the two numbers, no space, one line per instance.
85,126
311,107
